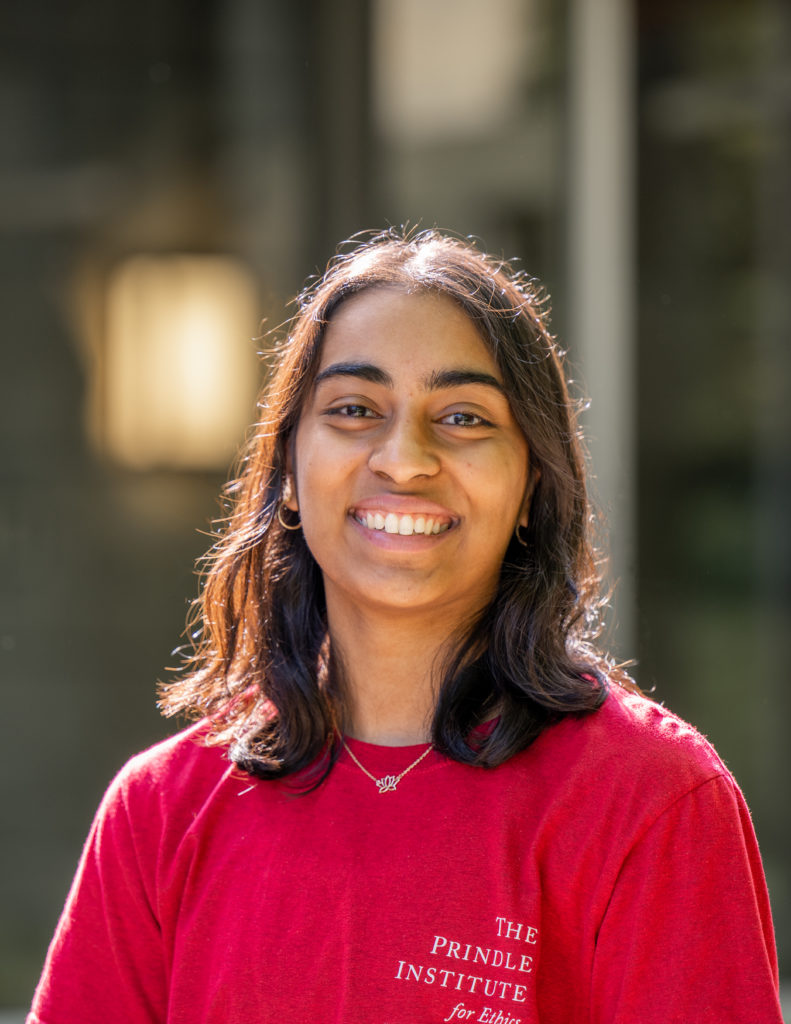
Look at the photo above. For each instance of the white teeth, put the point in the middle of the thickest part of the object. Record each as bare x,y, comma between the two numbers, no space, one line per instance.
405,526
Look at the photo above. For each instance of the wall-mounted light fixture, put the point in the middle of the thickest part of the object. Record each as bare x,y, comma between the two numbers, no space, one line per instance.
179,367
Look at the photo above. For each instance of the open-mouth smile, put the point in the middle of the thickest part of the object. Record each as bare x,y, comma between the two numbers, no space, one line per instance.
405,525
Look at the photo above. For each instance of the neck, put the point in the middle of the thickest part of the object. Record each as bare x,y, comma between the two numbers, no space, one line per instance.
389,671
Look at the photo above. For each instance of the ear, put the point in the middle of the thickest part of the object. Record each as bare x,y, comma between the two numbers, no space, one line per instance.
289,492
532,481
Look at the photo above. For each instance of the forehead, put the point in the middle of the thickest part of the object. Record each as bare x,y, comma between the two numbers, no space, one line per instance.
388,324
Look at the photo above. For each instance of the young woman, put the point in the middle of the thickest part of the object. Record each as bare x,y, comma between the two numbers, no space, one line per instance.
417,791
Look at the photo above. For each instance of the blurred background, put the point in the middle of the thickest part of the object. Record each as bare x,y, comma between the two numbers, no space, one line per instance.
170,173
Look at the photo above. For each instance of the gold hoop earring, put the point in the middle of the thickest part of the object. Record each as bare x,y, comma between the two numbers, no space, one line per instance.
517,535
282,522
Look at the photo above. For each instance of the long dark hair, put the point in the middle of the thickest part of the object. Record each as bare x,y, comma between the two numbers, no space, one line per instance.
262,669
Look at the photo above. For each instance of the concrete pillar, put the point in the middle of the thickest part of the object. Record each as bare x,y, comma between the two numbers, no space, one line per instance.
602,273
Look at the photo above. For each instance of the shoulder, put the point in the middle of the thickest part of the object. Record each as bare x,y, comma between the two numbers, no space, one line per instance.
178,774
631,776
632,753
188,746
631,726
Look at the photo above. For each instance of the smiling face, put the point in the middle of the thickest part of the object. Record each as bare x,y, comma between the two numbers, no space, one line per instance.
411,472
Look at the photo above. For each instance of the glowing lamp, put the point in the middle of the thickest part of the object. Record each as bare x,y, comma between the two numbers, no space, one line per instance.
180,368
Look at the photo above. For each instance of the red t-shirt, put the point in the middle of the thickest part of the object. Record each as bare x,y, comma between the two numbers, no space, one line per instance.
608,873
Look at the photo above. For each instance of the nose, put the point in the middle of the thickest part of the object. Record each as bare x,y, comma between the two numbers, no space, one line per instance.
404,451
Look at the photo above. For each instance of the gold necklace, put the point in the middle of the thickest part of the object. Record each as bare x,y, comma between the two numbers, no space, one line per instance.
387,783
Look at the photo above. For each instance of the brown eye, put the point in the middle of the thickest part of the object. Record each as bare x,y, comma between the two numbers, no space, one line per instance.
352,411
465,419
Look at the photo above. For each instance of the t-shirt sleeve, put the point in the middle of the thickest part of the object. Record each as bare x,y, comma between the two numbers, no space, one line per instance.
687,936
105,962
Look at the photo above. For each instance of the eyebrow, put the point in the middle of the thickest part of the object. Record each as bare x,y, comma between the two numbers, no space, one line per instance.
437,380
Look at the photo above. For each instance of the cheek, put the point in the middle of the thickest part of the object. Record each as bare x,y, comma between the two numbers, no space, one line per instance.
322,491
502,483
307,464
